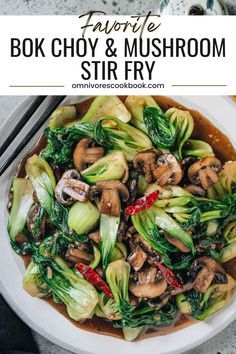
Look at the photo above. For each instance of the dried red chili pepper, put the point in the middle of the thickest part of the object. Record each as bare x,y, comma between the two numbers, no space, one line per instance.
94,278
142,203
169,276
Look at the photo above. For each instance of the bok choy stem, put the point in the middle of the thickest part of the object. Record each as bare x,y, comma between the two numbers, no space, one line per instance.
108,231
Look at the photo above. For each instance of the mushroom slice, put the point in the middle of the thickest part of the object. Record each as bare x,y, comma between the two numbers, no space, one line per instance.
168,170
203,280
86,153
205,172
70,188
150,283
145,163
195,190
76,255
112,192
137,258
95,236
205,270
177,243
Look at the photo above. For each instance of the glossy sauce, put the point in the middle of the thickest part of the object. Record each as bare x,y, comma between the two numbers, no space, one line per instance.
223,148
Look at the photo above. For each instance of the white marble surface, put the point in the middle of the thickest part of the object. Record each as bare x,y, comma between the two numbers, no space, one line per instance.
223,343
74,7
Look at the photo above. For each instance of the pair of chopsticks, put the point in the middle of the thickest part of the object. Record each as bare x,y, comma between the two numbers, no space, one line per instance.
22,122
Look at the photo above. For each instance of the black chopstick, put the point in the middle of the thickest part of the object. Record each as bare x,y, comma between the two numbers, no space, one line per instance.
22,122
32,132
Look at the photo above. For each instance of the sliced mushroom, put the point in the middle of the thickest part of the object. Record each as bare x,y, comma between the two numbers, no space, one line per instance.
203,280
145,163
112,192
195,190
86,152
95,236
76,255
160,301
70,188
205,172
177,243
137,258
153,256
150,283
205,270
32,216
168,170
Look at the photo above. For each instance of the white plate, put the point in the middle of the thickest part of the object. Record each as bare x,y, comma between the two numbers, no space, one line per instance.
44,319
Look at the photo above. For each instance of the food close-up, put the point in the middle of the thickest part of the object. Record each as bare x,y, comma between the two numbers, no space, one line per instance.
125,216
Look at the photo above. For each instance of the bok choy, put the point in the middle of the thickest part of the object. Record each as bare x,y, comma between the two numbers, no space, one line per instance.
22,201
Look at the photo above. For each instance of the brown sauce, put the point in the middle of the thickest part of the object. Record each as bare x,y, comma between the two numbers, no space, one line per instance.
223,149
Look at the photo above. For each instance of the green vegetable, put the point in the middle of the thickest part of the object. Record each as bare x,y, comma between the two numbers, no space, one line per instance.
117,275
113,134
106,106
160,128
229,232
227,176
183,124
197,148
79,296
149,317
147,221
135,105
97,257
61,143
32,283
183,305
107,308
131,334
109,226
21,204
145,225
112,166
119,252
194,301
62,116
228,252
57,244
189,208
226,183
166,192
42,179
212,227
143,185
216,297
82,217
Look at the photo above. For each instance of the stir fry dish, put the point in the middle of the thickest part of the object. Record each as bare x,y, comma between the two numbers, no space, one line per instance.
126,217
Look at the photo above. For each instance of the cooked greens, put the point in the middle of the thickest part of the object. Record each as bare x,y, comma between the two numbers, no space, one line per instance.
183,124
22,201
113,166
197,148
111,133
106,106
126,216
160,128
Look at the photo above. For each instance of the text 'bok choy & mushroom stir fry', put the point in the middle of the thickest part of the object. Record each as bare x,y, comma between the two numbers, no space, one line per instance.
126,216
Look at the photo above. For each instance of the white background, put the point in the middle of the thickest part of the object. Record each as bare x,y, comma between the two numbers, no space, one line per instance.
66,71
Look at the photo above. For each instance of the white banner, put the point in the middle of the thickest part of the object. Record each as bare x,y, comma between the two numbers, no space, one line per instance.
117,55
